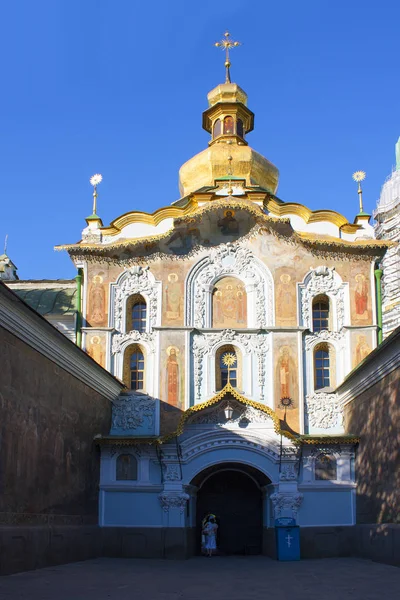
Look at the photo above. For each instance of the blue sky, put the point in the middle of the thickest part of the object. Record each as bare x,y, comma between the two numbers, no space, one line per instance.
118,87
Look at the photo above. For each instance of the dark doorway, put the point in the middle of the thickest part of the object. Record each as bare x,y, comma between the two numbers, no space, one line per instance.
236,500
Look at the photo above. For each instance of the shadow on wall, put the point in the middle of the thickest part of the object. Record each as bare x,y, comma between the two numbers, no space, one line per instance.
375,417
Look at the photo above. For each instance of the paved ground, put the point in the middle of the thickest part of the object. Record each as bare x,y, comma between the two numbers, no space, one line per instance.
243,578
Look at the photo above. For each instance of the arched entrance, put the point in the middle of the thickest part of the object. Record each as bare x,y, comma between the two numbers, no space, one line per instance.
233,492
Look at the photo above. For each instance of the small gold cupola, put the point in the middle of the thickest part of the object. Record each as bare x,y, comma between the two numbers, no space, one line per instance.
228,120
228,116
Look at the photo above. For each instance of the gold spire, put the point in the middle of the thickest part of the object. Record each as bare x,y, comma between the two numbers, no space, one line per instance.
227,44
359,176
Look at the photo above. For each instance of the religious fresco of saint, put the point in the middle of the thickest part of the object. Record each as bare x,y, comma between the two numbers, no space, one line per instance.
229,304
285,296
96,348
172,369
97,312
286,376
361,311
173,298
362,346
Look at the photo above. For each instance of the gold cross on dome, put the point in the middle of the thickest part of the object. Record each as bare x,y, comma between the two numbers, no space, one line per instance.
227,44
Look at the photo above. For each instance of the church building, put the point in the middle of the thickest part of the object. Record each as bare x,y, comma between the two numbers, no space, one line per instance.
231,316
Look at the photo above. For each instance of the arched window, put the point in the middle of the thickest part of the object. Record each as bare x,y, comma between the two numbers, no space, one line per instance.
126,468
134,368
136,314
239,128
320,313
217,128
227,367
228,125
325,467
322,367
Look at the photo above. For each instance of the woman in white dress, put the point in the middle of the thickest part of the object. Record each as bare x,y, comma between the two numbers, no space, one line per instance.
210,535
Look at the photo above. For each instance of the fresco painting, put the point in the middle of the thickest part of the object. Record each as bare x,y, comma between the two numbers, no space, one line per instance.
97,313
286,377
285,297
361,301
172,376
361,350
172,385
96,349
173,298
229,304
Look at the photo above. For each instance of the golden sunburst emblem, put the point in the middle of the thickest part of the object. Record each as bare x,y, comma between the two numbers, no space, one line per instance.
229,359
359,176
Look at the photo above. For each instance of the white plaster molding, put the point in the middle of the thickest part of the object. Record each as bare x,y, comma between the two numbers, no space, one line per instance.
121,341
311,340
206,344
323,411
131,410
263,442
236,261
284,502
323,280
136,280
172,472
35,331
288,471
171,500
215,415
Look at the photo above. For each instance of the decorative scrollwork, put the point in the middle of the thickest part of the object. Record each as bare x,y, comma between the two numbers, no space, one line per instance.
235,260
286,502
322,280
137,280
130,411
169,501
205,343
323,410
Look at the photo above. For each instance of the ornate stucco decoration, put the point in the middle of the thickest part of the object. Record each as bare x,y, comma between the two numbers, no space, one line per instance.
322,280
205,343
131,411
286,503
169,501
241,415
323,410
137,280
288,471
120,340
233,260
172,472
324,336
224,439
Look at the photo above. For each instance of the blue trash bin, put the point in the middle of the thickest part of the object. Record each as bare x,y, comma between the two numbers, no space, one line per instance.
287,535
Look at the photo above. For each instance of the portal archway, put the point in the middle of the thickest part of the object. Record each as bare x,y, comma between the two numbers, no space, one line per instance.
234,493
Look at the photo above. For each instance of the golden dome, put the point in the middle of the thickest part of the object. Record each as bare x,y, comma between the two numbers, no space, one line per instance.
228,120
211,164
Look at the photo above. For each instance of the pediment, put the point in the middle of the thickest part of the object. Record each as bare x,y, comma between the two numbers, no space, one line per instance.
245,411
242,415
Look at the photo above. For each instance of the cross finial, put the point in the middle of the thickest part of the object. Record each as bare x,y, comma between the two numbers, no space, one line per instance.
5,243
227,44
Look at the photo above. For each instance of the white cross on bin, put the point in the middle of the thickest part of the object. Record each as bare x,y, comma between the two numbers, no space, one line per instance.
289,538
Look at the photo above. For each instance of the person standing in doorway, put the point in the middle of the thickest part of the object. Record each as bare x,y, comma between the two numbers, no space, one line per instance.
210,535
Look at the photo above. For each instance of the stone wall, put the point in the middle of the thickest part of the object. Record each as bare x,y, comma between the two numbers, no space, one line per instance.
49,465
371,400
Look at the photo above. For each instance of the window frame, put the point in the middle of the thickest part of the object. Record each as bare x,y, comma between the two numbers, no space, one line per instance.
135,463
